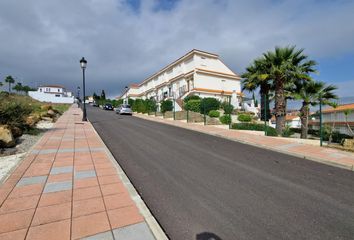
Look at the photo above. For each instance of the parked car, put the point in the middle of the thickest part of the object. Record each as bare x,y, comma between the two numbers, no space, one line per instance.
108,106
95,104
124,109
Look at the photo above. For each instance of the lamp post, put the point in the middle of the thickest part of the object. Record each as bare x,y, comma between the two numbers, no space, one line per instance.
78,96
83,64
321,129
126,94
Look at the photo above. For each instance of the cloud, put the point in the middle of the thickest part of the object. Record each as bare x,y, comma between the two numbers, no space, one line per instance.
43,41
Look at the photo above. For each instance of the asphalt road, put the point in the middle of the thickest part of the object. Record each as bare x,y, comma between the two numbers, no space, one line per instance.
200,186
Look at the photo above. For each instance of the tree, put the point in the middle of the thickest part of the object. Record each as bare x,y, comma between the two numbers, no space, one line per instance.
285,66
346,113
103,95
18,87
9,79
256,76
26,89
310,92
95,97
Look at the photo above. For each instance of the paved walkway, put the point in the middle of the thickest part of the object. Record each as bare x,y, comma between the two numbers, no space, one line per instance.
68,187
325,155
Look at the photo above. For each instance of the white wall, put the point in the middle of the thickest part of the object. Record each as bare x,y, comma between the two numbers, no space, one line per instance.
216,83
49,97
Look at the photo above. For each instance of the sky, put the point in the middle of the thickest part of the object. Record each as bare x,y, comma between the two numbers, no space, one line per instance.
126,41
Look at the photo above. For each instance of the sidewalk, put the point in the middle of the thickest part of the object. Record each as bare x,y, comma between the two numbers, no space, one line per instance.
69,187
329,156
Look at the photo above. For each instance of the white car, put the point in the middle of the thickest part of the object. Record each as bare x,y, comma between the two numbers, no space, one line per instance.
124,109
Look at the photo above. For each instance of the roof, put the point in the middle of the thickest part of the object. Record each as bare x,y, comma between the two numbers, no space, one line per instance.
339,108
53,85
288,118
134,85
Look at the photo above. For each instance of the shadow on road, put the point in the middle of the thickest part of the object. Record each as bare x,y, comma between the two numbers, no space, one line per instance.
207,236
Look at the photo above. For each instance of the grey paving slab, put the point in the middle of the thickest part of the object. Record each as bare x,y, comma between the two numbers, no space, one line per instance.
66,150
86,149
58,186
290,145
35,151
59,170
139,231
97,149
101,236
31,180
84,174
47,151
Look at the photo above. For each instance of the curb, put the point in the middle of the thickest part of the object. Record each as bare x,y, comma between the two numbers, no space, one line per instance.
330,163
154,226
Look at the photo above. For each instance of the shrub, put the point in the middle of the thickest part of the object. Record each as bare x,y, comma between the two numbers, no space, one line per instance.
193,105
214,114
287,132
14,113
255,127
191,97
244,118
225,119
208,104
228,109
166,105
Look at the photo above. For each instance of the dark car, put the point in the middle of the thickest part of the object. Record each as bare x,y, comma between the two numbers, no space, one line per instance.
108,106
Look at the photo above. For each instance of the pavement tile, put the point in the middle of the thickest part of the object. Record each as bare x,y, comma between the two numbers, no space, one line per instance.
28,190
53,231
15,221
121,217
14,235
19,204
59,170
84,183
84,167
108,179
62,163
52,213
60,177
54,198
118,201
86,193
32,172
58,186
90,225
106,172
134,232
113,188
103,165
84,174
88,206
101,236
31,180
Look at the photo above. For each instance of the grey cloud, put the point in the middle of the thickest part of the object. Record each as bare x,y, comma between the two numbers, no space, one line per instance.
42,41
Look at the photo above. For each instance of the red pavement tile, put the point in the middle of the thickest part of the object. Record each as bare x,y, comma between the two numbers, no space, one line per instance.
84,183
108,179
53,231
124,216
86,193
18,204
103,165
52,213
88,206
90,225
28,190
63,163
54,198
15,221
114,188
84,167
60,177
106,172
15,235
118,201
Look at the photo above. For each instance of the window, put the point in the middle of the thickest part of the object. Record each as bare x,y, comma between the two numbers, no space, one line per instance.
58,90
57,95
40,89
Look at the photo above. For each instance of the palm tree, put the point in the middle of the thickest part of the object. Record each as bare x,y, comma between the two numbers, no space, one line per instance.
285,66
254,77
18,87
9,79
310,92
347,112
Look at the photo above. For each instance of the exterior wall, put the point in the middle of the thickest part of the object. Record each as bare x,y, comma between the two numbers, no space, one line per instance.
337,116
216,83
50,97
49,89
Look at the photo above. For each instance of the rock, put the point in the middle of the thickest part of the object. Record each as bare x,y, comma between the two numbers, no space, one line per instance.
48,119
46,107
348,144
51,113
32,120
6,137
16,132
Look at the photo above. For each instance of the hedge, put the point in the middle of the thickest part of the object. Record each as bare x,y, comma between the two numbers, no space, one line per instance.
244,118
228,109
225,119
191,97
254,127
208,104
166,105
193,105
214,114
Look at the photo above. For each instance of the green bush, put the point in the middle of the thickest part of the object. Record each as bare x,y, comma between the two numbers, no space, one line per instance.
255,127
228,109
191,97
193,105
244,118
287,132
166,105
214,114
225,119
14,113
208,104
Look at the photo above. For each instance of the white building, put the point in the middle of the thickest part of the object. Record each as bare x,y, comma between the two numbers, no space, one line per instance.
53,94
196,73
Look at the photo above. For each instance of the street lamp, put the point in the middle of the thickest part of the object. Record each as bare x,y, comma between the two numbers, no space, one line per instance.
126,94
78,96
83,64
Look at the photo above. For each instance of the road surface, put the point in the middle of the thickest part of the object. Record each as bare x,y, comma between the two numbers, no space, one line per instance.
200,186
